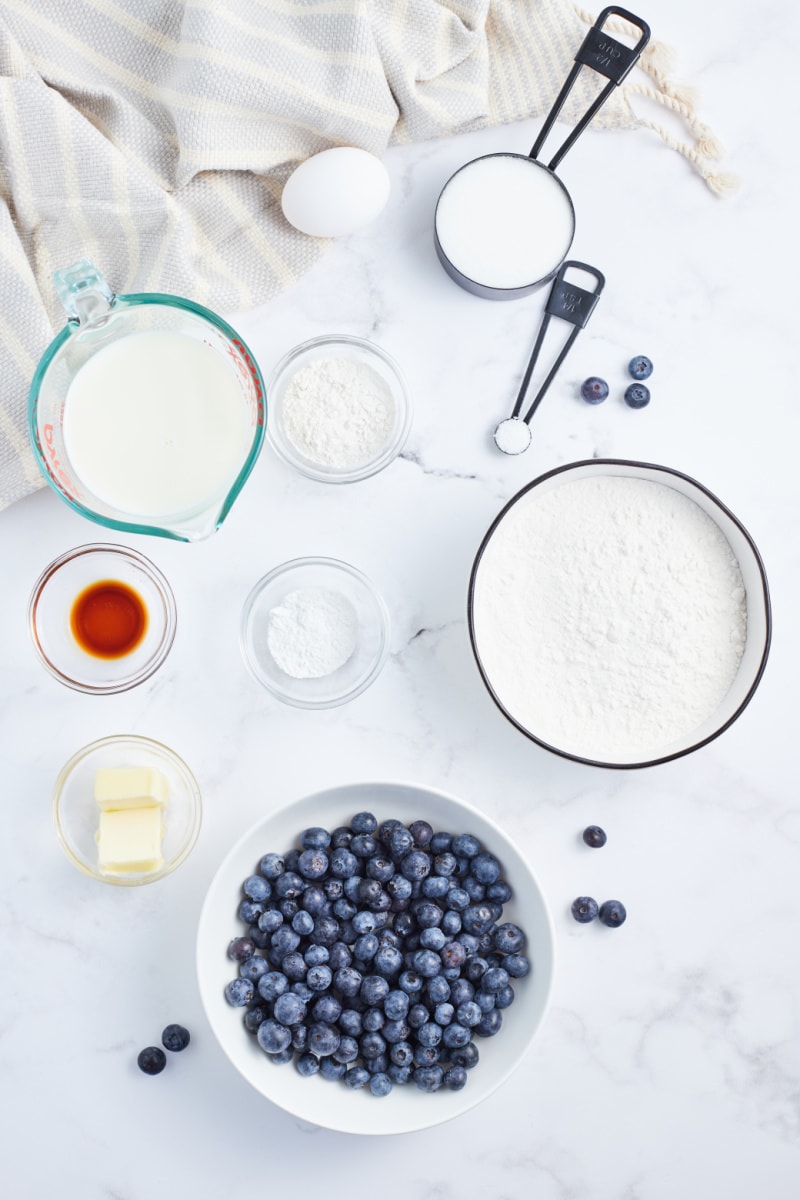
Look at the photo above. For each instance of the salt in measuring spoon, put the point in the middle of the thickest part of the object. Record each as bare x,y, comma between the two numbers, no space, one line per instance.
572,304
505,222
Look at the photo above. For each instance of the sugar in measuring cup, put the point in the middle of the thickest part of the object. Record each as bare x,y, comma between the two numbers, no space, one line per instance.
505,222
147,412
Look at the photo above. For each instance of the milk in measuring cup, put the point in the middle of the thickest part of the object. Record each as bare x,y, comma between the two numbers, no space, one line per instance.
155,424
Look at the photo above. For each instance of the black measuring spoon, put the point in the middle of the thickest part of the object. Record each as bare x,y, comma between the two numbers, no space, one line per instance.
505,222
572,304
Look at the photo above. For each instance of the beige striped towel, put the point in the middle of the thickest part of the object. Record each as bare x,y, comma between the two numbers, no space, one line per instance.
154,137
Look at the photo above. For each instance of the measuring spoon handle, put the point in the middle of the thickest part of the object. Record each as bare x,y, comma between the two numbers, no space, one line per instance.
607,56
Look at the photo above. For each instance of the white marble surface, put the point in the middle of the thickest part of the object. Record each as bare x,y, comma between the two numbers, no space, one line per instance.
669,1064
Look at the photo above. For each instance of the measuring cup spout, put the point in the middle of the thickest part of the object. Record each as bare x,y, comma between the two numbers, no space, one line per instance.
84,292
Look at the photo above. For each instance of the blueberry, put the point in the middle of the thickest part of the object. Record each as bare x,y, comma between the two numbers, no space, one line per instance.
437,989
241,948
612,913
303,923
475,890
455,1077
490,1023
594,836
307,1064
456,1034
250,911
458,899
330,1069
380,1084
432,939
331,887
418,1014
584,909
426,1056
317,956
357,1077
254,1016
300,1038
272,985
637,395
509,938
363,845
289,1009
328,1009
347,981
315,838
505,997
175,1038
323,1039
364,822
290,860
435,887
239,992
366,946
421,832
313,864
152,1060
270,920
273,1037
398,887
594,390
256,887
388,960
396,1004
517,965
271,866
364,922
401,841
377,1065
427,963
499,892
495,979
469,1013
326,931
294,966
465,1056
441,841
428,1079
428,914
461,990
319,978
402,1053
284,940
282,1056
379,867
444,1013
289,885
478,919
640,367
485,868
372,1044
338,956
416,865
485,1000
429,1034
400,1074
384,833
347,1051
342,863
374,989
341,836
396,1031
349,1021
453,954
451,922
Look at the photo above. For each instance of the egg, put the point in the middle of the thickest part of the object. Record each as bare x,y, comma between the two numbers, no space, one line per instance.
335,192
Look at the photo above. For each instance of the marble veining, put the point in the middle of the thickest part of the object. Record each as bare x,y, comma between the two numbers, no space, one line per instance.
669,1063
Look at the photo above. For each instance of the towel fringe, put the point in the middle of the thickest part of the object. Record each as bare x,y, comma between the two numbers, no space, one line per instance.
658,61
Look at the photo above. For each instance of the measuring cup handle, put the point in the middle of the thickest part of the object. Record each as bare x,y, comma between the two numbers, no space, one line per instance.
608,57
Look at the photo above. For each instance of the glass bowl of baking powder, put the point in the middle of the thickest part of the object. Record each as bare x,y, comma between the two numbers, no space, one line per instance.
315,632
619,613
339,409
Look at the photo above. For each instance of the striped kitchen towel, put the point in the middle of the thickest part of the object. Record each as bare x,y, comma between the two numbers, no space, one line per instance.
155,136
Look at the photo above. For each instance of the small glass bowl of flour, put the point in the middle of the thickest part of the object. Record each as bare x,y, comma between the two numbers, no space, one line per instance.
339,410
315,632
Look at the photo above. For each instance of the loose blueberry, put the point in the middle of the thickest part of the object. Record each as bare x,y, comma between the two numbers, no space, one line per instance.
584,909
152,1060
640,367
175,1038
594,836
612,913
637,395
380,1084
455,1078
307,1064
241,948
594,390
239,992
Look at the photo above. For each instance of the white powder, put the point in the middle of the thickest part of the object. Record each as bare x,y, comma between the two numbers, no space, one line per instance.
609,616
312,632
338,413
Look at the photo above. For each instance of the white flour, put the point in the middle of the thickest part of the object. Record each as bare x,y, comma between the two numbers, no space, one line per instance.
609,616
312,632
338,413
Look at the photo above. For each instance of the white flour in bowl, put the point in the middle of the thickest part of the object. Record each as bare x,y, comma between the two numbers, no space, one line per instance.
609,616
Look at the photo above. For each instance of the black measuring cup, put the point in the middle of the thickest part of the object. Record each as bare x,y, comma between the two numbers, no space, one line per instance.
504,222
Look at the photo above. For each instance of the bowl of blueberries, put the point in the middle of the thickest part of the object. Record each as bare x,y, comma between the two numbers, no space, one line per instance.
375,958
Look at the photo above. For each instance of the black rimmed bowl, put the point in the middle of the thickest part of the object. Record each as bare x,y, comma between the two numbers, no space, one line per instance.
756,641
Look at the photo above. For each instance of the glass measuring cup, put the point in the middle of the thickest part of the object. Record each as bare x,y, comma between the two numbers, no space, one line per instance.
505,222
99,321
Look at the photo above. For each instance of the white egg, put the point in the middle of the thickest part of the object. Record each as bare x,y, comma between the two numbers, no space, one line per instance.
335,192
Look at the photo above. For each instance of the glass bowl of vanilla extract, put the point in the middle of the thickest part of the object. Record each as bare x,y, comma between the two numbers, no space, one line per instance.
102,618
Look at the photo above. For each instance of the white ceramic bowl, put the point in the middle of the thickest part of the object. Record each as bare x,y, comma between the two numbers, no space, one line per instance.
334,1105
353,349
759,620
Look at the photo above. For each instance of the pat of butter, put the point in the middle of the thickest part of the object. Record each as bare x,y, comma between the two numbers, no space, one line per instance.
129,787
129,840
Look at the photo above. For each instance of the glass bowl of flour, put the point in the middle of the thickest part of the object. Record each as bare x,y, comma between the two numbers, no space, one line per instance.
315,632
619,613
339,409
